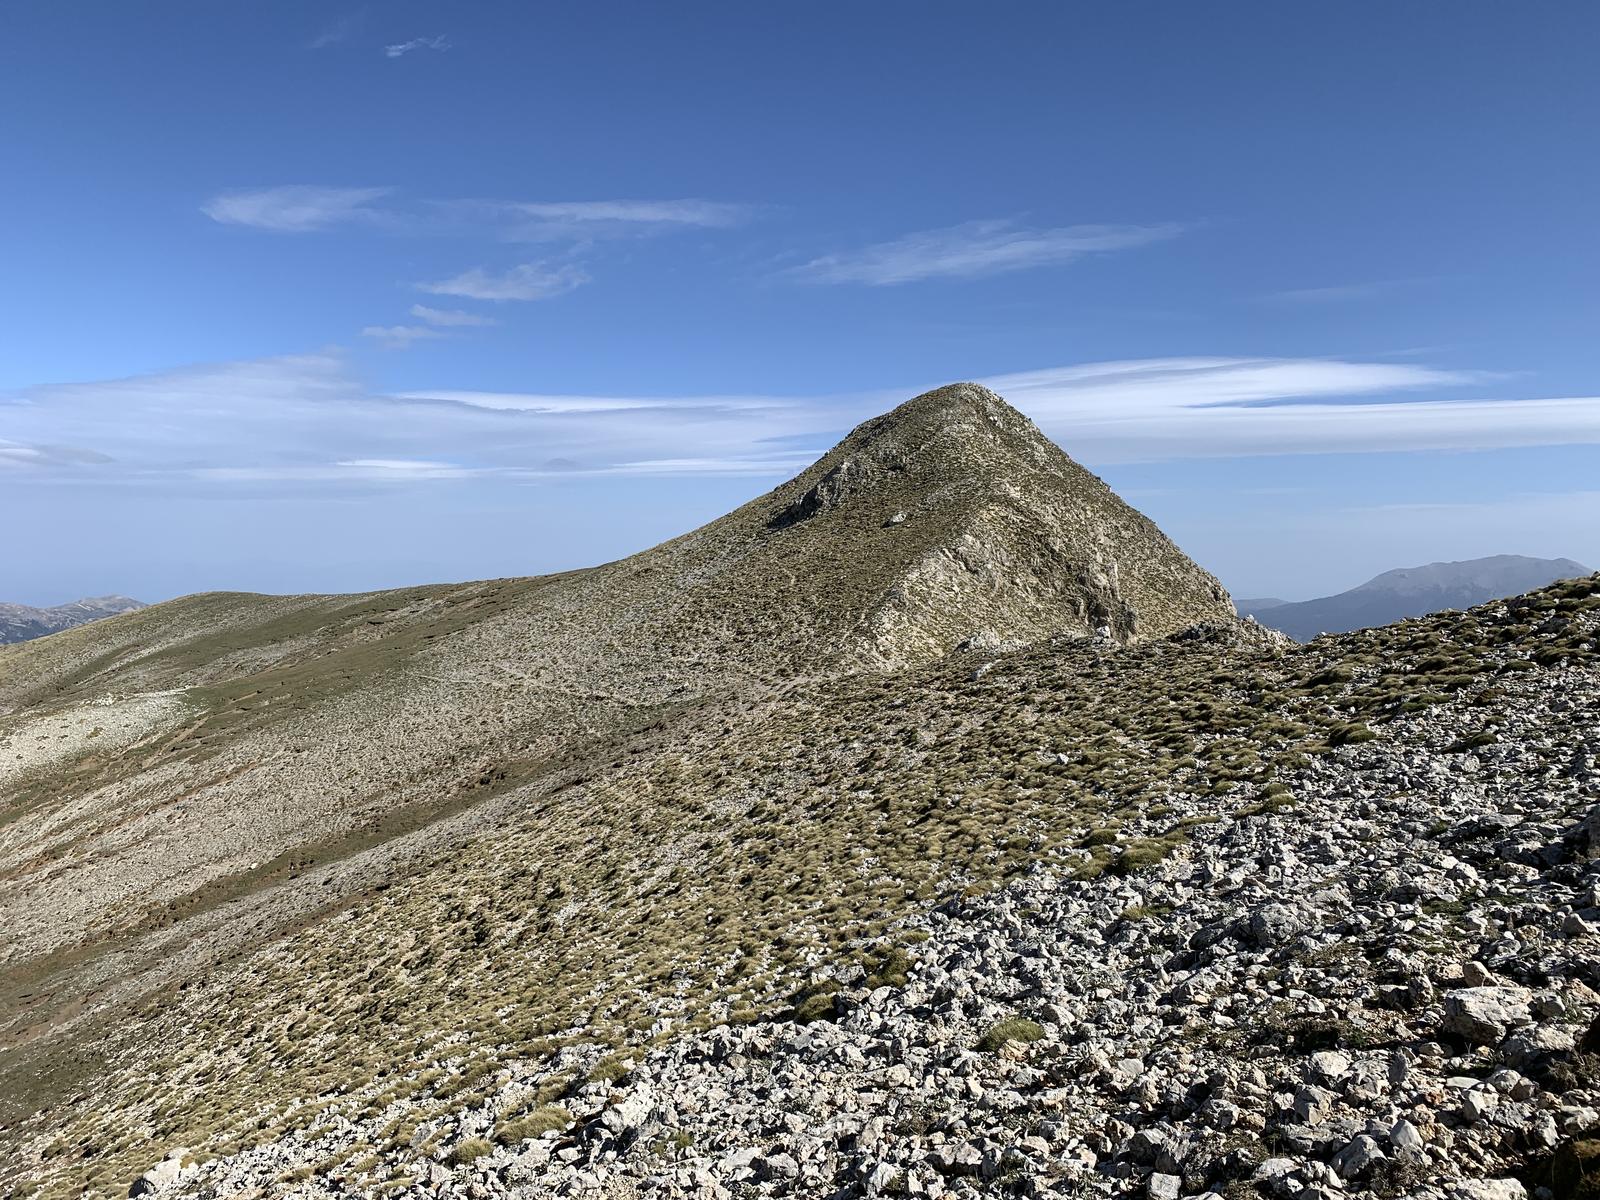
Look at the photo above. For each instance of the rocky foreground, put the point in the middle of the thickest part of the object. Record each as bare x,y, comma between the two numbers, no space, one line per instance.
1381,981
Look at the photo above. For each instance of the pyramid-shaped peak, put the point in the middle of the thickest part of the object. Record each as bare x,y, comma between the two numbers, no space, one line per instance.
952,515
957,401
950,418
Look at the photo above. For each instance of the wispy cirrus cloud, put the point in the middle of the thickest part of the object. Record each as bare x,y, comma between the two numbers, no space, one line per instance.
397,464
973,249
526,281
297,208
339,31
302,208
437,323
1341,293
583,220
450,317
579,224
1154,410
310,418
1183,384
400,337
438,43
14,455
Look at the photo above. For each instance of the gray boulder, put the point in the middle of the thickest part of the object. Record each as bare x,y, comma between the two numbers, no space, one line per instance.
1485,1015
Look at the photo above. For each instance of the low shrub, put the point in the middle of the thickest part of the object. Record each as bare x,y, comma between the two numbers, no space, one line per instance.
1012,1029
535,1124
469,1150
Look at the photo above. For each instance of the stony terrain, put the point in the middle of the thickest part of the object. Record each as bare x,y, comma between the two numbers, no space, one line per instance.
1062,887
20,623
1374,976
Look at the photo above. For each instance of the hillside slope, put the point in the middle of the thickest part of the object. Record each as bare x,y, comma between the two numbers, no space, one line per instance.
1363,964
136,760
1412,592
187,784
1201,913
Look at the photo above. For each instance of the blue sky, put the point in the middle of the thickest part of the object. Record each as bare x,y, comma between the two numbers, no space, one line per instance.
326,297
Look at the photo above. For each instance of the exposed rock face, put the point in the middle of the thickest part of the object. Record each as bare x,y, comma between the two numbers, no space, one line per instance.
164,1175
1485,1015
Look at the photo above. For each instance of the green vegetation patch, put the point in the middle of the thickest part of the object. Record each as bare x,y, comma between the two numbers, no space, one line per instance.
1012,1029
537,1123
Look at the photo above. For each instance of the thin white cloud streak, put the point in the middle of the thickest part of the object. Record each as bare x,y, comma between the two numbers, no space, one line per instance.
296,208
583,220
645,212
340,31
553,404
353,470
19,457
788,464
311,208
1162,409
526,281
400,49
309,419
1338,293
409,465
400,337
1201,381
449,317
974,249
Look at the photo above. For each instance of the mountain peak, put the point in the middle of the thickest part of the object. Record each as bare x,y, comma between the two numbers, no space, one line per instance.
953,516
1510,572
958,431
970,407
965,423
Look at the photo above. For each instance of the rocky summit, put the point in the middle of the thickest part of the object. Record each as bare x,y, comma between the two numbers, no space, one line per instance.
929,826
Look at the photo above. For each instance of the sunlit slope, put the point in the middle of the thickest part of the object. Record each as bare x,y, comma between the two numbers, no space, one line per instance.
186,784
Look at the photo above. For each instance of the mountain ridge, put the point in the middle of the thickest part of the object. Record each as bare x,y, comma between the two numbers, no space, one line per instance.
378,722
20,623
1412,592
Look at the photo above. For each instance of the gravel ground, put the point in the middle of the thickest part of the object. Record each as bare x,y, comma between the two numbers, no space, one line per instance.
1385,987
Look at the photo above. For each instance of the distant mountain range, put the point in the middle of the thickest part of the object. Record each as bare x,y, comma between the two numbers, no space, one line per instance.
1411,592
19,623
